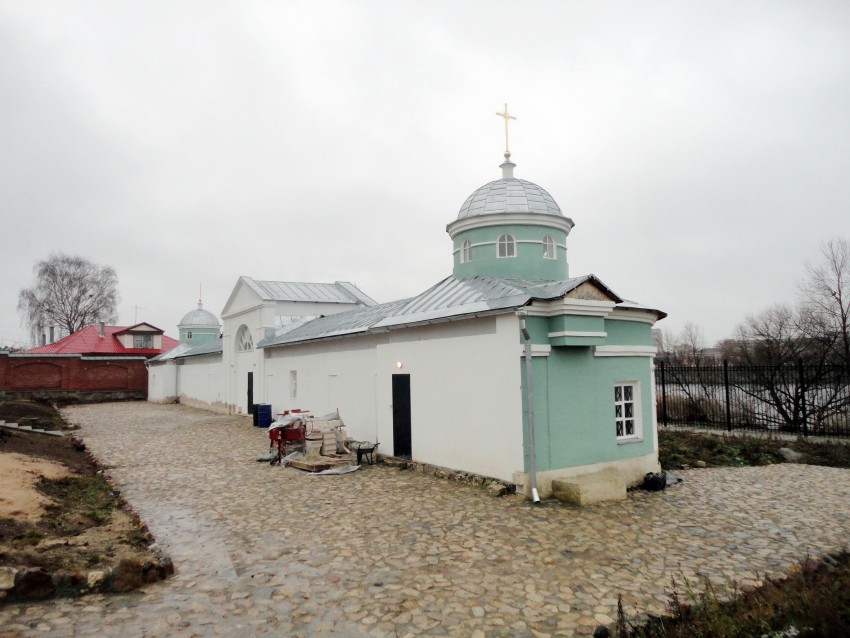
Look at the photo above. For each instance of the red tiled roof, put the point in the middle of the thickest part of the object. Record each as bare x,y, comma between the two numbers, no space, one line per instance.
87,340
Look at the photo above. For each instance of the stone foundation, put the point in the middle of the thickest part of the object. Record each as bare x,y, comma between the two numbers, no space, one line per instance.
493,486
632,471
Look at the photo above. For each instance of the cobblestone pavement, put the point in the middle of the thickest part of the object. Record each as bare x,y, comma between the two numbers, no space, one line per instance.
386,552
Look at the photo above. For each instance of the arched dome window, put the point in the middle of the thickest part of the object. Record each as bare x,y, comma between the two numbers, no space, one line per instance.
548,247
465,252
244,340
507,246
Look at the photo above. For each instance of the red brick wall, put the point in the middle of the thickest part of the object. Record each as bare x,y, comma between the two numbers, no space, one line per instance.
72,373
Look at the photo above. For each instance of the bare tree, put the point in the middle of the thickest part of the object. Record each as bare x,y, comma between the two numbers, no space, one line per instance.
686,348
826,292
70,292
788,353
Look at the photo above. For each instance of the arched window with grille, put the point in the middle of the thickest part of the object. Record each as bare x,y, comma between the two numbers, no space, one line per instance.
244,340
507,246
548,247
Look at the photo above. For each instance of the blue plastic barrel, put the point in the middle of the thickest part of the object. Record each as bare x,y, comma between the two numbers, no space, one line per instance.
263,415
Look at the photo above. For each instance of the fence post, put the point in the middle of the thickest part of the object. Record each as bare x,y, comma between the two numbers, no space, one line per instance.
663,396
728,402
801,379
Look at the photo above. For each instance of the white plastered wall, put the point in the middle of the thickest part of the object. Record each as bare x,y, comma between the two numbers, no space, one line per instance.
161,377
200,382
330,375
466,405
466,410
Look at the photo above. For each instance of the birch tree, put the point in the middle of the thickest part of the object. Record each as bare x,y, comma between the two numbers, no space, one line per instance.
70,292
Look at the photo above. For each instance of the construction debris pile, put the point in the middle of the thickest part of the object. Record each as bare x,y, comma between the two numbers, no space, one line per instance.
313,444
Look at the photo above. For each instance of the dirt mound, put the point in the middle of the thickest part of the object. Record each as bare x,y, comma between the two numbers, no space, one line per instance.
60,514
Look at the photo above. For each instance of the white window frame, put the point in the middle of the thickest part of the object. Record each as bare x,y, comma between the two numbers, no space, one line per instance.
466,251
506,247
143,341
549,249
628,425
244,339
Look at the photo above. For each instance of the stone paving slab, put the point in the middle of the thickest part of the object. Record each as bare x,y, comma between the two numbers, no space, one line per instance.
384,552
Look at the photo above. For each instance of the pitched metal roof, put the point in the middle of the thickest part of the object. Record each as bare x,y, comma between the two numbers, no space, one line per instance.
87,340
337,292
447,299
185,350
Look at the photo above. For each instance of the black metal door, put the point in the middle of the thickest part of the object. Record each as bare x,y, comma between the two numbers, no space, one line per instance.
250,393
401,415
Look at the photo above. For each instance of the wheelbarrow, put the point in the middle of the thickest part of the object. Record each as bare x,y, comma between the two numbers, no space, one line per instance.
364,449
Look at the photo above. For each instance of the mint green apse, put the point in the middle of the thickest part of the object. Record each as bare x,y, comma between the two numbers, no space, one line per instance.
510,228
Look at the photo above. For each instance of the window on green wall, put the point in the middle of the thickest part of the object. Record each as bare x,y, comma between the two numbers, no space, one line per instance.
507,246
465,255
548,247
626,412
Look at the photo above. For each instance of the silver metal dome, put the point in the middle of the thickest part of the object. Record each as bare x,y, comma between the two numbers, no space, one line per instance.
509,195
199,318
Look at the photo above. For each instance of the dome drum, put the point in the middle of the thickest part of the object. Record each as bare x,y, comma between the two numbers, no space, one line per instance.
510,228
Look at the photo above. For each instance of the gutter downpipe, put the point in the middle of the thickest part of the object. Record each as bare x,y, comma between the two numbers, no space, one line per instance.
529,406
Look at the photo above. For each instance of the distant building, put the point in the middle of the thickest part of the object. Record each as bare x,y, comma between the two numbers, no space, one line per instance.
99,339
95,363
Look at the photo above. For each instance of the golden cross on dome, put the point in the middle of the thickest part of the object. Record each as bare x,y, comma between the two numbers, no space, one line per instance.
507,117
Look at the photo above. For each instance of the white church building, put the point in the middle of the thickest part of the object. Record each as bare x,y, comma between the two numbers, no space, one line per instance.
440,377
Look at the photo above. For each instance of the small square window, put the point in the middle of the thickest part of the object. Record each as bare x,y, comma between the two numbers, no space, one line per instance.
626,413
143,341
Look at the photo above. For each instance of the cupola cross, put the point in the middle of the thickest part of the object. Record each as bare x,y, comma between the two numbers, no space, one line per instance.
507,116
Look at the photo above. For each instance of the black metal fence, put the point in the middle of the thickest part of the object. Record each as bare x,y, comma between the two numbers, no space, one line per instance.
798,399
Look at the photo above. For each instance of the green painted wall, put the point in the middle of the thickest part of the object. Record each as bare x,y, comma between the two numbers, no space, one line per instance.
628,333
199,335
528,263
574,396
574,408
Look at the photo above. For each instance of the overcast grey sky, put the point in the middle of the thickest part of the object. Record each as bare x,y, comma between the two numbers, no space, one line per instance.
702,148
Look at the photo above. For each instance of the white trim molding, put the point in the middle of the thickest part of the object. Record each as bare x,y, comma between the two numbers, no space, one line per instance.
625,351
570,306
509,219
577,333
537,350
637,314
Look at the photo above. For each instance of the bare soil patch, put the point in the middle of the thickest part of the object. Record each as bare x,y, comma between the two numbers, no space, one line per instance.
59,512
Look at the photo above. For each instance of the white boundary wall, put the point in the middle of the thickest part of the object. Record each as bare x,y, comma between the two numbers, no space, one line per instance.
200,382
161,388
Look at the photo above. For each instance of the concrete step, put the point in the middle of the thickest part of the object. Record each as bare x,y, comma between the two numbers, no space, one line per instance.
29,428
606,485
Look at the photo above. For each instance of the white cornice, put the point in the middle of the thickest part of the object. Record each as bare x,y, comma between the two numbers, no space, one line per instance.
565,306
640,315
625,351
577,333
537,350
509,219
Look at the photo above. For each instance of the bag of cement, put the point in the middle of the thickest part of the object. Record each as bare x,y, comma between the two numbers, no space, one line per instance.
654,481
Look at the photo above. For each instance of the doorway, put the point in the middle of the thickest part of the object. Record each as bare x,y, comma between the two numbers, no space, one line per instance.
250,393
401,416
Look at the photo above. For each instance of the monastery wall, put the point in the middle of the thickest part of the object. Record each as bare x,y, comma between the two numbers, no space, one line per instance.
83,378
